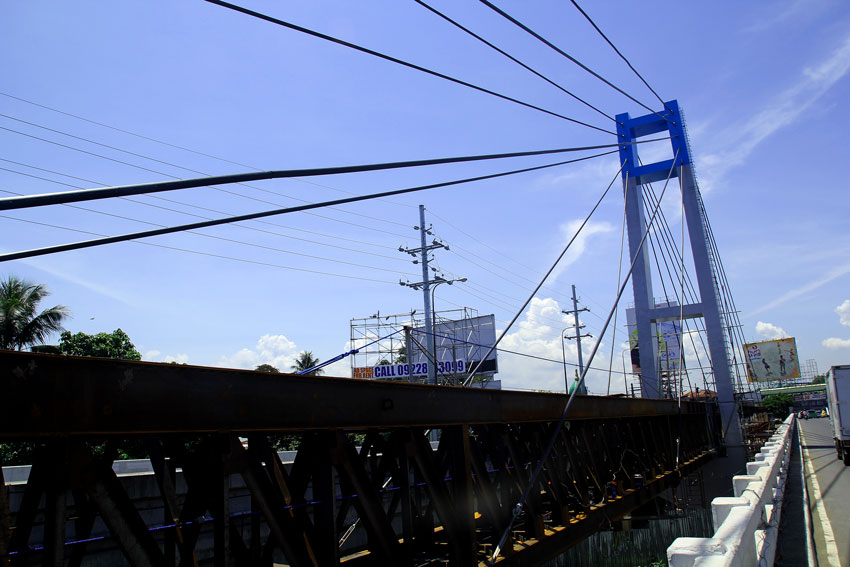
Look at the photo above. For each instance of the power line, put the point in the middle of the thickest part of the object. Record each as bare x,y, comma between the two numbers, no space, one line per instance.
512,58
209,254
185,149
374,53
394,258
564,53
251,216
128,152
617,51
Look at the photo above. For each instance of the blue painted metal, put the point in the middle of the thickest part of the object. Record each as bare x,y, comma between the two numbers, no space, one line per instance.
635,175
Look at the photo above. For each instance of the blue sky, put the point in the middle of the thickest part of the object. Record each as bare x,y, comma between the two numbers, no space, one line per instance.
762,86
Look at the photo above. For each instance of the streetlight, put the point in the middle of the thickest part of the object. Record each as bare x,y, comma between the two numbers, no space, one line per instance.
434,283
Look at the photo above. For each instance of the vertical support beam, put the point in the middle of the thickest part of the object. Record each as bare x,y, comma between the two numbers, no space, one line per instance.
708,292
635,175
641,287
463,539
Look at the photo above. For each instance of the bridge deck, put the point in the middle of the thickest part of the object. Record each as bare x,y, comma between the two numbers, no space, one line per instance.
363,463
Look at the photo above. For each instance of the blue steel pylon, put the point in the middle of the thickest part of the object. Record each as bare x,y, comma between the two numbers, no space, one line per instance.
647,314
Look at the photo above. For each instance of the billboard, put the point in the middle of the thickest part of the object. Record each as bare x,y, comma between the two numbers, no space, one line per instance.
668,334
459,345
772,360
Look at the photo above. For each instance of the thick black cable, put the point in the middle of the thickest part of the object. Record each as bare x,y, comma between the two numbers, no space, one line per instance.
185,149
617,51
374,53
251,216
548,273
252,228
565,54
128,152
514,59
160,186
649,195
556,430
209,254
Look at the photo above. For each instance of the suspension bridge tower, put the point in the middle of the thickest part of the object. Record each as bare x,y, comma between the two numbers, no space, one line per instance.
647,313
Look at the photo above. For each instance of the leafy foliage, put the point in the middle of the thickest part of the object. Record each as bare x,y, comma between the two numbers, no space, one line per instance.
779,405
267,368
20,326
104,345
819,379
306,360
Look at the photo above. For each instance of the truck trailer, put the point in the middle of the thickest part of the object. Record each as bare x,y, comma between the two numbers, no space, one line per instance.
838,401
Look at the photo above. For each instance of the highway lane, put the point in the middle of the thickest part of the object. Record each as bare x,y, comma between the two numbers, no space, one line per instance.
828,482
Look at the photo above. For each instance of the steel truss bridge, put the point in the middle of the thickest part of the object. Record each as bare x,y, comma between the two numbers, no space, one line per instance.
364,462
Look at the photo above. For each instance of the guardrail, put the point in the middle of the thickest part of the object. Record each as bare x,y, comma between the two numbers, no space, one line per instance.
745,525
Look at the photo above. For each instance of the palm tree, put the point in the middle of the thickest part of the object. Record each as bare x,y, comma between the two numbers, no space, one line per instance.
304,361
19,324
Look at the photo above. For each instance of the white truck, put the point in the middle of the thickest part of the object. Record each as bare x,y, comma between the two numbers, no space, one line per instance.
838,400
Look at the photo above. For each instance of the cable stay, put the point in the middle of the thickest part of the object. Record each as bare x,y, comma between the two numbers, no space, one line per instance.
514,59
135,189
565,54
8,203
339,357
517,510
546,276
164,174
380,55
208,254
617,51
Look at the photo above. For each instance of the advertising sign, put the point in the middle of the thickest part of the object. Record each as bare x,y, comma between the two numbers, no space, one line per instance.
466,339
401,371
772,360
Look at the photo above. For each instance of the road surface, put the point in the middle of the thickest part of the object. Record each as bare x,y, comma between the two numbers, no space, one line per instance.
828,482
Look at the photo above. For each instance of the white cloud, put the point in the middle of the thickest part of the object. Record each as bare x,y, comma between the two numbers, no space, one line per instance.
579,246
537,337
276,350
835,343
843,311
156,356
770,331
783,110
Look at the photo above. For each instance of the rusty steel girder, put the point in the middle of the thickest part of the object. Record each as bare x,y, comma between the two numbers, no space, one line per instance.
363,466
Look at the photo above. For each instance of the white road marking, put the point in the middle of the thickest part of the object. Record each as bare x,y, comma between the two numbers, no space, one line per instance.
820,510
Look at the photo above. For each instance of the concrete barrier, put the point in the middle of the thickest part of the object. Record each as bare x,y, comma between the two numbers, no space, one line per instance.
746,525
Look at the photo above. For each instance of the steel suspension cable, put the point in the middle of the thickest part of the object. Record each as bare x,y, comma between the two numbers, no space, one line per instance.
262,214
551,443
177,166
617,51
567,55
545,277
514,59
619,277
398,61
157,187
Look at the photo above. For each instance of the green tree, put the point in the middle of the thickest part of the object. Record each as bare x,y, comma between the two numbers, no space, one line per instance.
104,345
20,326
304,361
779,405
267,368
819,379
401,355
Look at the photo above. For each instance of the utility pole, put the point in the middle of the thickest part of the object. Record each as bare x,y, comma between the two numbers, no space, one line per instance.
422,254
575,311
